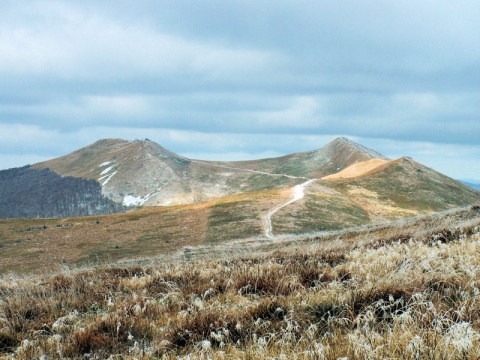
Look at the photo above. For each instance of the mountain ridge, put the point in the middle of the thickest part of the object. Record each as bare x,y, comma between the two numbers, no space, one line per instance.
142,172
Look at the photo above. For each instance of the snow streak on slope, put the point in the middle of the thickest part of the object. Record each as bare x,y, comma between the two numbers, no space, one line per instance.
298,193
105,174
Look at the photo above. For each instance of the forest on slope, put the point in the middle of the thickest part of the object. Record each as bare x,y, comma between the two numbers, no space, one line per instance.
31,193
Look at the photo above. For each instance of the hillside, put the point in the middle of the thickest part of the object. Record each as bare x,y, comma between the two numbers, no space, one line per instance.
392,190
333,157
407,187
136,173
263,206
373,191
39,245
403,290
145,173
41,193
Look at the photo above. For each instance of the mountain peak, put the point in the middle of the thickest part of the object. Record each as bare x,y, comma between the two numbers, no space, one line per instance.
142,172
343,139
347,147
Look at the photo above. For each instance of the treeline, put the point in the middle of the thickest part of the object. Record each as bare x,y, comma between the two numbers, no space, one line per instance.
27,192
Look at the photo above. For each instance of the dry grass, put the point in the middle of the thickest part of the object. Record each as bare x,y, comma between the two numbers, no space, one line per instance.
407,290
357,169
39,245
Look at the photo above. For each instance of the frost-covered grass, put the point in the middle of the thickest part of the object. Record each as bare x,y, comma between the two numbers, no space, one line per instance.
409,291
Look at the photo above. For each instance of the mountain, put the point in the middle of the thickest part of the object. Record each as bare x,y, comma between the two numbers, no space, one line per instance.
354,187
330,159
145,173
113,175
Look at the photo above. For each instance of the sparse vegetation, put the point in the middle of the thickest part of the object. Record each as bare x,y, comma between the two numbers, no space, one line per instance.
407,289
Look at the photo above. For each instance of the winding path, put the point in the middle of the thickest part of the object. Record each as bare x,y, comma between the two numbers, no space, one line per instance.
298,193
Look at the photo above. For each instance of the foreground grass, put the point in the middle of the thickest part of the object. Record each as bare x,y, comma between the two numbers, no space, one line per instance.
407,291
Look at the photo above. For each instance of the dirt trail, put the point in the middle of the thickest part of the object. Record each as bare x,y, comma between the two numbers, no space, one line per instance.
298,193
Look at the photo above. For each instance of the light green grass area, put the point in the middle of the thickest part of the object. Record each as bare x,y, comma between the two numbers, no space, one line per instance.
320,213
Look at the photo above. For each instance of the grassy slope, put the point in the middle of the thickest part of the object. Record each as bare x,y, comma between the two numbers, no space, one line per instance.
81,162
320,210
403,188
144,168
145,232
406,187
406,290
336,155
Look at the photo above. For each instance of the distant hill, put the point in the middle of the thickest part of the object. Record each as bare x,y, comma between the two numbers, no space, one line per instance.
475,186
145,173
380,191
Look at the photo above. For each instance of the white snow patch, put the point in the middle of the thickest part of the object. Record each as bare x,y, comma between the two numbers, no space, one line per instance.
108,179
105,163
107,170
130,200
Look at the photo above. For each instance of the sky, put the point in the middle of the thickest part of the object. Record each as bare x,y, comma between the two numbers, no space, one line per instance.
233,80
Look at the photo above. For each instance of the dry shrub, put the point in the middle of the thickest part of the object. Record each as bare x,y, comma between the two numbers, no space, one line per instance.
27,310
61,282
88,342
312,275
123,272
363,300
187,281
201,324
269,309
445,236
266,280
8,342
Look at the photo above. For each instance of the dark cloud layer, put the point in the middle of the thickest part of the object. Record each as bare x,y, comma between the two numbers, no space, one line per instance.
242,78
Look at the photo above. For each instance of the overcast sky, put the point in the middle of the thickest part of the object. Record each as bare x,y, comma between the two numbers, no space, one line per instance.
233,80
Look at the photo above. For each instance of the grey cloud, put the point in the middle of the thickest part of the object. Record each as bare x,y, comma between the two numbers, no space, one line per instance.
403,71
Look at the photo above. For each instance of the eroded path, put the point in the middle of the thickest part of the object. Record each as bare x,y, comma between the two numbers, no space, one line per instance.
298,193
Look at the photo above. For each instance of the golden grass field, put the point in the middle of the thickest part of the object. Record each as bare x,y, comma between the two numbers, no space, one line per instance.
407,289
26,246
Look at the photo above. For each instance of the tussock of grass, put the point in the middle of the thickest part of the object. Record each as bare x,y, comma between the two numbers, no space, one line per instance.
407,291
